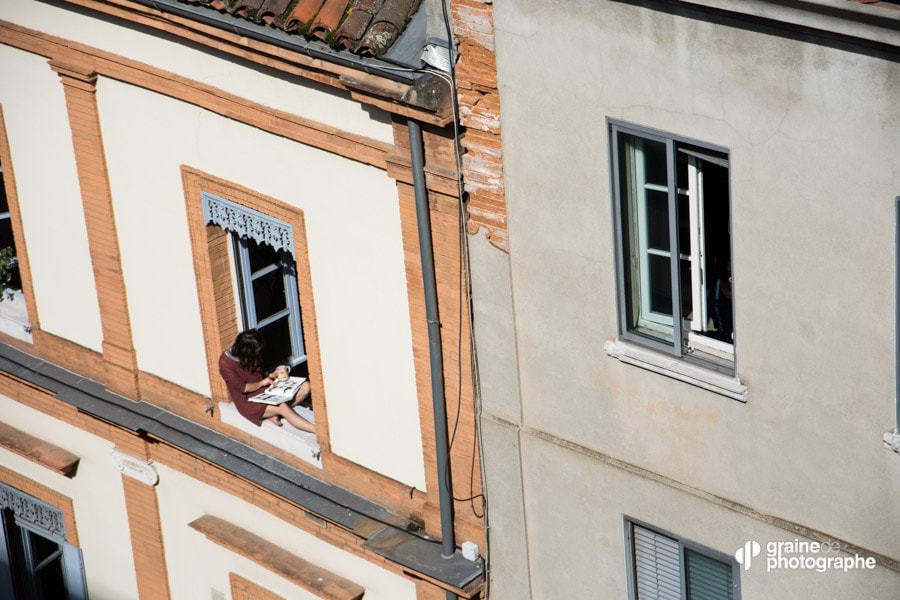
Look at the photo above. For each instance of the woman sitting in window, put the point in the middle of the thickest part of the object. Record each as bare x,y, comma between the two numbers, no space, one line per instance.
241,368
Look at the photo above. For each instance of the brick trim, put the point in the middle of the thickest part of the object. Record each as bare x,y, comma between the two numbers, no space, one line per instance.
300,572
142,507
119,358
242,589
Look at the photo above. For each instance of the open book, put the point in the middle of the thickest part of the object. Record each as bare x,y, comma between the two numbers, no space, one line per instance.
280,391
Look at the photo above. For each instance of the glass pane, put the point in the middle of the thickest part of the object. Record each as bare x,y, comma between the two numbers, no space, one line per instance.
277,339
41,547
687,301
261,255
654,161
660,285
268,294
50,583
4,203
657,220
707,578
717,251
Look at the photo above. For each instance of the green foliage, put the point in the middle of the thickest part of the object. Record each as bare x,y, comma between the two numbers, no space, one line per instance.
7,265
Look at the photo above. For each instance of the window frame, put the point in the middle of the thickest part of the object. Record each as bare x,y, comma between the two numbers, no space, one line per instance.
245,277
672,142
683,544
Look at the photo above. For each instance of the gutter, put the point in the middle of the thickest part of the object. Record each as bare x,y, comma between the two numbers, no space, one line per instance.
280,39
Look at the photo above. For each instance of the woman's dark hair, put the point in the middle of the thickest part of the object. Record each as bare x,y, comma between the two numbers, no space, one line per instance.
247,349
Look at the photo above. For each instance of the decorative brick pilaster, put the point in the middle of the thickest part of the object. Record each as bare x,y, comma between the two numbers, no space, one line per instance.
119,360
141,504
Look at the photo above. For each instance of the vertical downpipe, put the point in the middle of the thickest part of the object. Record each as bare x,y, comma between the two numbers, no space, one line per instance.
426,251
897,315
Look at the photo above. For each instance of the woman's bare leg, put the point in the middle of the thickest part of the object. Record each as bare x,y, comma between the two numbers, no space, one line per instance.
286,412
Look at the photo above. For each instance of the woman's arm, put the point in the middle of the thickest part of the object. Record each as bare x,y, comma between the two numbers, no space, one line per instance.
255,385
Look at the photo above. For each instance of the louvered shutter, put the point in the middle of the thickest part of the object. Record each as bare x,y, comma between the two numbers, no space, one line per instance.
707,578
657,566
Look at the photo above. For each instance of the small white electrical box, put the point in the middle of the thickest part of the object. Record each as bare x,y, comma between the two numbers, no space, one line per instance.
470,551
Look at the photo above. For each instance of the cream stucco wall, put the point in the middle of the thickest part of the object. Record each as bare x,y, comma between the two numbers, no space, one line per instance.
292,94
97,498
355,253
812,131
198,568
40,142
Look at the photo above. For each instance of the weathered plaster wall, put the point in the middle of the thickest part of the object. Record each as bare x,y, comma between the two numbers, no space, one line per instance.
96,493
198,567
34,108
812,132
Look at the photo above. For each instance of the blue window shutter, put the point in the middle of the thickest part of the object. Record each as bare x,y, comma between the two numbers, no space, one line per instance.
73,571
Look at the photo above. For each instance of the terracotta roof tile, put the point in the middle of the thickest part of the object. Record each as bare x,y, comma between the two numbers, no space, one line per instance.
386,26
366,27
329,18
303,14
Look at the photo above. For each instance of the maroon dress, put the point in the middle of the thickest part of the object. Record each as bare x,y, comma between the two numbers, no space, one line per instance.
236,378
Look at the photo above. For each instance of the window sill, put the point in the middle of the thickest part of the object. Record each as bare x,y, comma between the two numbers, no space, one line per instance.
14,316
677,369
300,443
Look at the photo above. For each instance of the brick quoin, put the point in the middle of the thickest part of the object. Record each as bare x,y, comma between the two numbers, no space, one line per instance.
142,508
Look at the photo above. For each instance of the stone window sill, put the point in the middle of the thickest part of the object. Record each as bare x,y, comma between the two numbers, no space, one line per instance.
677,369
300,443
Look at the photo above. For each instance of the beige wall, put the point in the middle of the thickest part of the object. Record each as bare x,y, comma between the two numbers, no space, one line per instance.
313,101
198,567
97,498
812,134
351,211
352,221
40,142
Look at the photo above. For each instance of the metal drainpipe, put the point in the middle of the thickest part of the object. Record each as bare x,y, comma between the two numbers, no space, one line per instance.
426,251
897,316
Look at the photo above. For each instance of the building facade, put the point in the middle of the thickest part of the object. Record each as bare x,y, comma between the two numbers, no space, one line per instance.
175,173
686,339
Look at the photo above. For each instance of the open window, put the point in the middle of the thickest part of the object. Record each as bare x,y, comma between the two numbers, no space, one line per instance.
36,561
13,310
266,277
673,232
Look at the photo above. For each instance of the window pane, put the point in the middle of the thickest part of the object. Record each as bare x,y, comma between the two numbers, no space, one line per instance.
268,294
261,255
658,220
645,217
277,338
707,578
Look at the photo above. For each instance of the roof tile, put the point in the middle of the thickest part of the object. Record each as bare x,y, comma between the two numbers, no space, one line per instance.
367,27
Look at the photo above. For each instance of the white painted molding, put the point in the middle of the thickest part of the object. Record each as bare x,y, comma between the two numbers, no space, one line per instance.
676,369
135,468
